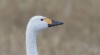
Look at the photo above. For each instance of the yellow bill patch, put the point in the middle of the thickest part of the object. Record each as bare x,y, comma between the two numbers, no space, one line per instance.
49,21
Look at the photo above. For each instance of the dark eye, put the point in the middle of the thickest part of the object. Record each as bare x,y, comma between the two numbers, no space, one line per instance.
41,19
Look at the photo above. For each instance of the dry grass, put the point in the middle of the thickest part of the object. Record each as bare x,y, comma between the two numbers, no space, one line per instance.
80,34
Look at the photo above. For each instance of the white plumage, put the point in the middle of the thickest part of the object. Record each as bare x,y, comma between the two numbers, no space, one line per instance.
36,24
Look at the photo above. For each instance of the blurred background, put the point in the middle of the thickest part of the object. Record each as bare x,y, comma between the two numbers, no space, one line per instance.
80,34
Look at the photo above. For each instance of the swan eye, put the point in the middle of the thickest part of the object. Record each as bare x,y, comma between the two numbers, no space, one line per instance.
41,19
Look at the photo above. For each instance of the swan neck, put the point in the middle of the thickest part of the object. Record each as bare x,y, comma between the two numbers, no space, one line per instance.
31,47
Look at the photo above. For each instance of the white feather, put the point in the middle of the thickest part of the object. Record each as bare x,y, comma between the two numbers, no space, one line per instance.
34,26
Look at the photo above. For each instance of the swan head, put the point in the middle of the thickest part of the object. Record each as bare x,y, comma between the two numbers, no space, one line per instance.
38,23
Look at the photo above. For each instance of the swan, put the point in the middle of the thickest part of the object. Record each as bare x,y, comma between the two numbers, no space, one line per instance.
34,26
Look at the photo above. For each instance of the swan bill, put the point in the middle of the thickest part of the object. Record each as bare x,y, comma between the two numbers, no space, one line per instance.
52,22
55,23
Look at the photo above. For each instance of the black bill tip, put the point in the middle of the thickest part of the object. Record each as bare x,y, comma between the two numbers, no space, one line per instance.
55,23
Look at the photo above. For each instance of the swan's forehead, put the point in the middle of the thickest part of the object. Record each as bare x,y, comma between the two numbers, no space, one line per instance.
47,20
38,17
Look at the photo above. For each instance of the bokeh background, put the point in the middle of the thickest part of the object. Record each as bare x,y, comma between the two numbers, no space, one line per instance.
80,34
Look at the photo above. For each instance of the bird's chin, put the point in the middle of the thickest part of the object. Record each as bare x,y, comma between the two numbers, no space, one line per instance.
41,29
